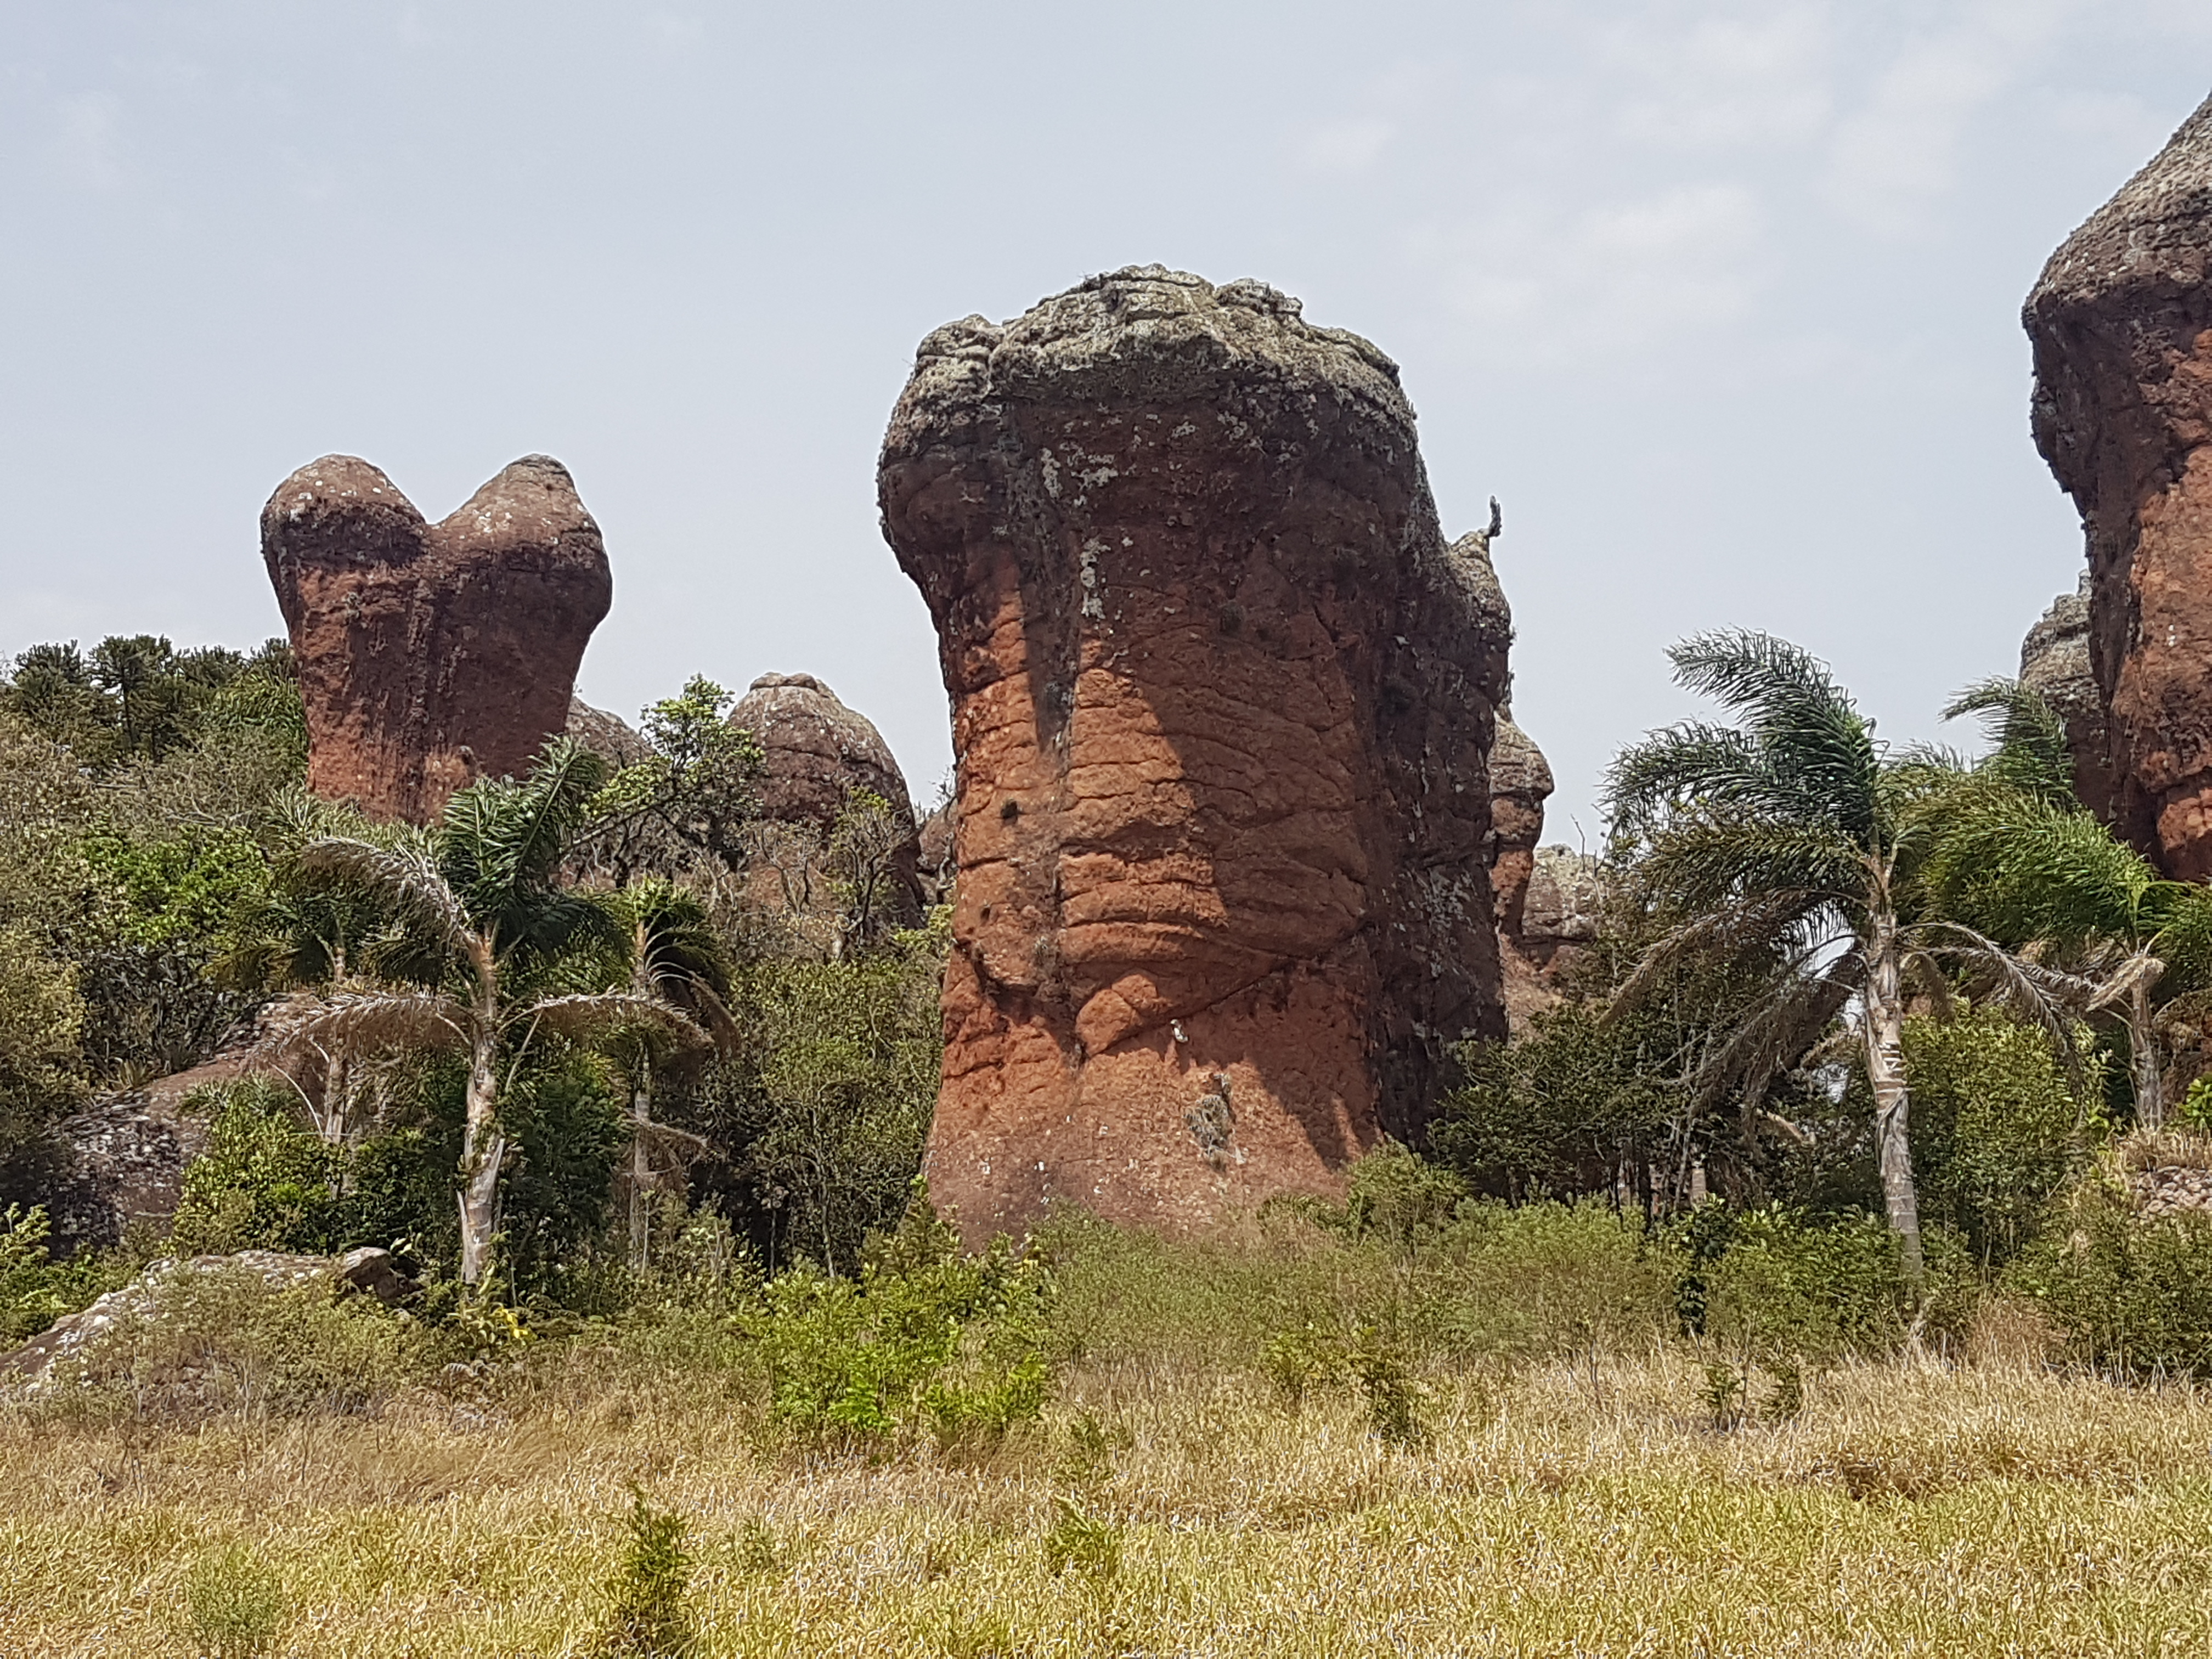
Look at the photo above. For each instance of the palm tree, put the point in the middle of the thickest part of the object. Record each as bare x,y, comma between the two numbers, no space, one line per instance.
488,948
2018,858
675,959
1787,844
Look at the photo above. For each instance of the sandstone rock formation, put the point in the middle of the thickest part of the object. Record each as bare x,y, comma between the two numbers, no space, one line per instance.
2054,662
818,753
1222,701
124,1158
1519,783
610,737
2121,322
1564,906
431,654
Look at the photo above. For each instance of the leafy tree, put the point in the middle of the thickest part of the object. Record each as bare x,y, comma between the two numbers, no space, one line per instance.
1789,842
696,790
822,1108
490,950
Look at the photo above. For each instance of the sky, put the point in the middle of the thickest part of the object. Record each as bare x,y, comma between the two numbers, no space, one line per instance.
1722,301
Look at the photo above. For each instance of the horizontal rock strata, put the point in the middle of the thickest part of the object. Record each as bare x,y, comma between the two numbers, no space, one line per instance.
1222,701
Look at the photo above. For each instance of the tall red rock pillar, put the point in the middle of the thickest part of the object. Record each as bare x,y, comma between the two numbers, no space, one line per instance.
1222,701
2121,321
430,654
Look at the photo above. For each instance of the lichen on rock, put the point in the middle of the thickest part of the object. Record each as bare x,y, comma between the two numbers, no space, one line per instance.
1222,701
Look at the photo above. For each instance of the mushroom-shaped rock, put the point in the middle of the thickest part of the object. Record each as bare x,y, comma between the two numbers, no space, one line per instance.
1222,699
431,654
2120,323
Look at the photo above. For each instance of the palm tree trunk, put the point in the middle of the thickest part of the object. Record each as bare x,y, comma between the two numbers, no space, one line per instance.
2143,1044
482,1147
1893,1100
640,1168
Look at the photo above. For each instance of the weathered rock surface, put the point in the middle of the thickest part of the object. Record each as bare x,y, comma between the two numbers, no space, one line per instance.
2121,322
1222,699
818,753
369,1271
2054,662
1519,783
610,737
1564,905
431,654
126,1157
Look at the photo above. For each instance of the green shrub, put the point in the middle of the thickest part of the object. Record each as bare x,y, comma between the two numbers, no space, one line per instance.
35,1289
926,1341
262,1181
1777,1286
1547,1279
1082,1541
648,1595
234,1606
2129,1293
220,1341
1996,1128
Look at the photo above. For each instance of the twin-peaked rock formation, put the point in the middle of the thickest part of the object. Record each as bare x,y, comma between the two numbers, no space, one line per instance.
431,654
1223,701
2121,321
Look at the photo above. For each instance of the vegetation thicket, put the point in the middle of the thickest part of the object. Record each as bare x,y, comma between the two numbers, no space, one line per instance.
1799,1264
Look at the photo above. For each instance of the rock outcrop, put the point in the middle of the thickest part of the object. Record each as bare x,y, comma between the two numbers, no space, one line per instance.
610,737
819,754
1519,783
2121,322
366,1272
431,654
2054,663
1222,699
124,1158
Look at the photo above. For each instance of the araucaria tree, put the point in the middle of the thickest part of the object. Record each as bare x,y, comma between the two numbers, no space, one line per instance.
487,950
1791,841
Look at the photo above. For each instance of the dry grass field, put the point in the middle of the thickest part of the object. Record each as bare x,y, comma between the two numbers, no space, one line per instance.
1911,1507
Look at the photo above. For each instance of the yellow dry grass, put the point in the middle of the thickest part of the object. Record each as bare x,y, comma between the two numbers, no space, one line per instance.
1912,1508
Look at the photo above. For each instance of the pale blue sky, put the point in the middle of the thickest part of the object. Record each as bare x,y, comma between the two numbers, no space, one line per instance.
1722,300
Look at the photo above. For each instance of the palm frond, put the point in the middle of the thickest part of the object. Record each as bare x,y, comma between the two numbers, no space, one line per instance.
2028,745
403,877
357,1022
587,1014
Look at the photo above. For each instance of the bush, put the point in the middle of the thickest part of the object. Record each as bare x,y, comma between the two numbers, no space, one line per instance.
235,1606
926,1341
1774,1285
2127,1293
825,1114
262,1181
1996,1130
648,1612
35,1289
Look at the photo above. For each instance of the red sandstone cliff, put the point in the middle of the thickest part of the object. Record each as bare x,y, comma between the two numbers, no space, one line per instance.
1223,699
2121,322
430,654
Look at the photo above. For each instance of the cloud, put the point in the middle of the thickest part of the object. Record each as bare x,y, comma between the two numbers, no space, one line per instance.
1894,159
1724,82
86,146
1624,276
